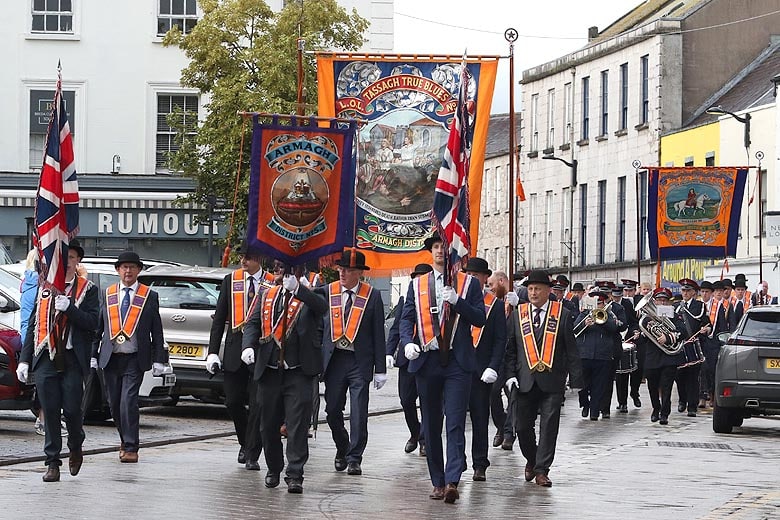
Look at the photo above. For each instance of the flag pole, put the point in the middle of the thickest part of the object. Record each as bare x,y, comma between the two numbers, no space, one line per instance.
511,36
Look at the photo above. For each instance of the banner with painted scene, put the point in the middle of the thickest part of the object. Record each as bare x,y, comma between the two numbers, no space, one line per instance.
694,212
301,190
409,104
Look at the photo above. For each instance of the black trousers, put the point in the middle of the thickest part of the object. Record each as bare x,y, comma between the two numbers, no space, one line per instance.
240,392
285,397
407,393
659,384
596,376
123,381
60,391
479,410
538,456
609,386
688,386
502,418
342,377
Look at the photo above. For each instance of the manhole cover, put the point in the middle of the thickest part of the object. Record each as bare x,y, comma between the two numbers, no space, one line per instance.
700,445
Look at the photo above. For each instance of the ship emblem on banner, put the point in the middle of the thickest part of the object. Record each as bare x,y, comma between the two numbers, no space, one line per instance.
301,190
694,212
408,106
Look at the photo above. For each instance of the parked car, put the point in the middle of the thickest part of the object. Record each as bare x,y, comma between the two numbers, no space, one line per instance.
10,297
13,394
188,298
747,377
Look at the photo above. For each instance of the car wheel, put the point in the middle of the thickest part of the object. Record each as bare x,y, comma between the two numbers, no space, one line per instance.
738,421
723,419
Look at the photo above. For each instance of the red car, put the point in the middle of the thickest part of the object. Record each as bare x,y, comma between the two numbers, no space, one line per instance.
13,394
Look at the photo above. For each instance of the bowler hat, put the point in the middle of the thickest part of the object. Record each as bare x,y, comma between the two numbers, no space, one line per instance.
717,284
727,284
740,282
577,287
241,248
74,244
421,269
354,259
563,280
687,283
477,265
538,276
129,257
428,243
706,285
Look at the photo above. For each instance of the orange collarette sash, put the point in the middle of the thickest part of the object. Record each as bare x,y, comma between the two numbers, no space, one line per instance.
746,301
338,329
46,328
537,362
121,332
271,329
476,332
428,314
714,315
241,304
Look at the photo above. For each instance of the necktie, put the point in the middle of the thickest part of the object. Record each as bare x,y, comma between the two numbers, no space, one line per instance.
250,292
125,304
348,304
537,323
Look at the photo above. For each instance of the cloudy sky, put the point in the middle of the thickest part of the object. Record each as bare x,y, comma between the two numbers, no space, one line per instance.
548,29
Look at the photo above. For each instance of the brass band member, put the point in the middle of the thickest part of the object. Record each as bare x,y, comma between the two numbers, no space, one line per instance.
660,365
692,321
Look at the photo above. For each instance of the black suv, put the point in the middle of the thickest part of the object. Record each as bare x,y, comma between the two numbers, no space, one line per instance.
747,377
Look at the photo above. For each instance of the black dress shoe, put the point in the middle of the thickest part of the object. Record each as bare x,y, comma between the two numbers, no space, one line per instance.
411,445
271,480
509,441
654,416
605,415
529,473
451,493
295,486
353,468
594,417
252,465
664,420
498,439
681,407
479,475
52,473
75,459
623,408
691,414
241,456
340,463
637,402
422,449
585,411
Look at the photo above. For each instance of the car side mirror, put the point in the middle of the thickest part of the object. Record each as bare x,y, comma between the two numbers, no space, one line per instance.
7,305
723,337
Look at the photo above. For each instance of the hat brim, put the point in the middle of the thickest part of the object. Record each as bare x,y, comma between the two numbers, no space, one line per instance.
78,249
529,282
345,264
118,263
481,271
428,242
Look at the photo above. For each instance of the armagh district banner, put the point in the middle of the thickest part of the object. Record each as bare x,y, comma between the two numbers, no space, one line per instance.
409,104
301,190
693,212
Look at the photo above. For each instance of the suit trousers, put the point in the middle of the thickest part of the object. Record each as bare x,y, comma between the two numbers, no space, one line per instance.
502,417
708,369
659,384
548,406
407,393
444,393
285,397
342,376
596,374
60,391
240,391
479,410
123,380
688,386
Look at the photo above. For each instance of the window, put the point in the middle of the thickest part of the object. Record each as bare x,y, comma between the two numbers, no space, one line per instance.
645,106
535,122
486,192
624,96
52,16
532,228
643,214
187,107
180,13
585,109
41,104
548,212
550,118
565,230
604,102
567,113
583,224
620,255
709,159
499,185
602,220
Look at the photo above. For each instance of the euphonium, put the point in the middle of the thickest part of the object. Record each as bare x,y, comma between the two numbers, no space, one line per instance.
656,327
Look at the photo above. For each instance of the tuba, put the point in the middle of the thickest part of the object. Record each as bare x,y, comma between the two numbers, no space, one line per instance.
656,327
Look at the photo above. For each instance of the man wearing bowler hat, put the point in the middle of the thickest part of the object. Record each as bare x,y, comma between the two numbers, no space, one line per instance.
740,300
407,386
353,352
129,342
437,341
541,352
490,344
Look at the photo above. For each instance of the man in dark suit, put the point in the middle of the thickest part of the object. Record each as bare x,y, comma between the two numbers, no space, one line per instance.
285,329
541,352
716,312
60,360
490,344
691,320
235,298
407,387
441,355
740,301
353,352
129,342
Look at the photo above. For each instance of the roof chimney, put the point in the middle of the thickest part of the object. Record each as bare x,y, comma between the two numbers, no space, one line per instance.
593,33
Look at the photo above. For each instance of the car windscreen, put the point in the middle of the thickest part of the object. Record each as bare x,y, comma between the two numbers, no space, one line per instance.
765,325
185,293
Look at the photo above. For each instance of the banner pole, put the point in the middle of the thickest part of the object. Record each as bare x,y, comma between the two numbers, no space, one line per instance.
511,36
637,164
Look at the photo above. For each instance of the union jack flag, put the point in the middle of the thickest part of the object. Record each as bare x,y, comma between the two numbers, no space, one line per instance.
451,200
57,202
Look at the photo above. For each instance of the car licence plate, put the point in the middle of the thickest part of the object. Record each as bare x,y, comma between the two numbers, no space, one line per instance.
773,363
181,350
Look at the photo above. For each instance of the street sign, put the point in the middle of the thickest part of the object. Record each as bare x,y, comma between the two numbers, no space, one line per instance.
223,210
772,228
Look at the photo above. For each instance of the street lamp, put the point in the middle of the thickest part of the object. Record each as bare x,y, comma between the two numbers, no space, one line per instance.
572,184
718,110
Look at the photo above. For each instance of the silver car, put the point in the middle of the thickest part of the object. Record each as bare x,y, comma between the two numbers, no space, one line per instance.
747,377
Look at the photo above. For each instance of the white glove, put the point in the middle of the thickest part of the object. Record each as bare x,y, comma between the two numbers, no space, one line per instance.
290,283
450,295
158,369
759,288
93,363
212,361
411,351
489,376
512,298
304,281
511,382
248,356
22,372
380,380
389,361
61,302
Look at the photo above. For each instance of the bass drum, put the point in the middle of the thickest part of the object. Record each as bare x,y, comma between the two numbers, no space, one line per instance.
628,359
